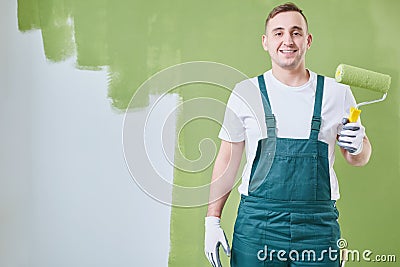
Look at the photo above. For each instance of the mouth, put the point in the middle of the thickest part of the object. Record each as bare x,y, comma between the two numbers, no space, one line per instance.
287,51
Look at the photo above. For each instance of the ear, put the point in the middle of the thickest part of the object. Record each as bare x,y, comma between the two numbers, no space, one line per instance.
309,40
264,42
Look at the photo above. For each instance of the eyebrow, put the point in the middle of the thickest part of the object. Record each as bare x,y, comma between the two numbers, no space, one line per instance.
293,28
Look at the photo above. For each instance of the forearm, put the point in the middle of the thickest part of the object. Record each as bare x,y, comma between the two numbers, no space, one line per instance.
223,178
360,159
221,183
215,208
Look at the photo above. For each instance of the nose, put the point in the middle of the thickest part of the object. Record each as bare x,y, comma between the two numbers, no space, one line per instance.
288,40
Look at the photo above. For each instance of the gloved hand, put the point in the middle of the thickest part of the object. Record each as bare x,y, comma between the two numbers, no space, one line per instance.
351,137
214,237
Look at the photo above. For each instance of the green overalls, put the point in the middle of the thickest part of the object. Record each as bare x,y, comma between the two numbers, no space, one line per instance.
288,217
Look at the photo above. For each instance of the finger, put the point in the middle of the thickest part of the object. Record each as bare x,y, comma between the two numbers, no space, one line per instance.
345,139
216,257
225,246
351,128
348,148
208,254
347,135
208,257
353,124
350,137
351,149
349,132
345,144
211,259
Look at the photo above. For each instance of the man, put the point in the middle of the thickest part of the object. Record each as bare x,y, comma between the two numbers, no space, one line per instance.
289,120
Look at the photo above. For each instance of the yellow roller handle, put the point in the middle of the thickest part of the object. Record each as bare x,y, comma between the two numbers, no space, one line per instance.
354,114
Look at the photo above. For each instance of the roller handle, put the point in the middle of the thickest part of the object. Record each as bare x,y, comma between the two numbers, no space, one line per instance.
353,117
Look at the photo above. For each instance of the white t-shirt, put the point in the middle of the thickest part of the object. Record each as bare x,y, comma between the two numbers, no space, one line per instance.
293,108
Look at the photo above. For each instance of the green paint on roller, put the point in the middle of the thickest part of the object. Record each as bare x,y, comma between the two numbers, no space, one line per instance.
362,78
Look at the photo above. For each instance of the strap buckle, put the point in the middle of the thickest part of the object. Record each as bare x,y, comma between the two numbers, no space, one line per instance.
270,121
316,123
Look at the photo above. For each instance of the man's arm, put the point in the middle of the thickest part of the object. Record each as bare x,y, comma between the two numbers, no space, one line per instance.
223,177
360,159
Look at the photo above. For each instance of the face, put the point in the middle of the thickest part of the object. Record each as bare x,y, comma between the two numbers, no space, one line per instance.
287,40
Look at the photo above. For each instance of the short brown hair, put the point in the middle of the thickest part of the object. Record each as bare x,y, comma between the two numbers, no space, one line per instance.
284,8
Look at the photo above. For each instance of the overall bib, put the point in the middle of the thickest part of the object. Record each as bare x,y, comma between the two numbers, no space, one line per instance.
288,217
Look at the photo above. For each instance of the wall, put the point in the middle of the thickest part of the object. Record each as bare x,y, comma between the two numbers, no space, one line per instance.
68,73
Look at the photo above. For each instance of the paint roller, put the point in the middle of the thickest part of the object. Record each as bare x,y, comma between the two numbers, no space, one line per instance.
362,78
366,79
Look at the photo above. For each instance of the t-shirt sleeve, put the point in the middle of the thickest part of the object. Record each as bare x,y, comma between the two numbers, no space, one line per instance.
232,129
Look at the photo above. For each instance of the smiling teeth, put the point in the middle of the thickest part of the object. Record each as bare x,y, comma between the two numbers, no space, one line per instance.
288,51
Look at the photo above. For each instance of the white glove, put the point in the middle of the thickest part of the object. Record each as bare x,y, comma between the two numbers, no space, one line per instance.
214,237
351,137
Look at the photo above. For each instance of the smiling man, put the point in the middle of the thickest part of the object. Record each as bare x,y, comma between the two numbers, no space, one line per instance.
288,120
287,40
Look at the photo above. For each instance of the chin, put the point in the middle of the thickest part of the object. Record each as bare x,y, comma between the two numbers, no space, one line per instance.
289,66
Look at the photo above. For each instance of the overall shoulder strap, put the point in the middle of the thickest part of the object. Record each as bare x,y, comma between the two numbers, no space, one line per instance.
269,117
316,120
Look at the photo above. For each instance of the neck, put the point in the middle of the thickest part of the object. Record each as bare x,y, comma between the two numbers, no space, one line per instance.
292,77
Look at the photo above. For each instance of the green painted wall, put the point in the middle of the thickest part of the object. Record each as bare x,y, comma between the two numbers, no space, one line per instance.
135,39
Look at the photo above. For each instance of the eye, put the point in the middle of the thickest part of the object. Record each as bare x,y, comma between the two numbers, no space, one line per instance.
278,34
296,33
